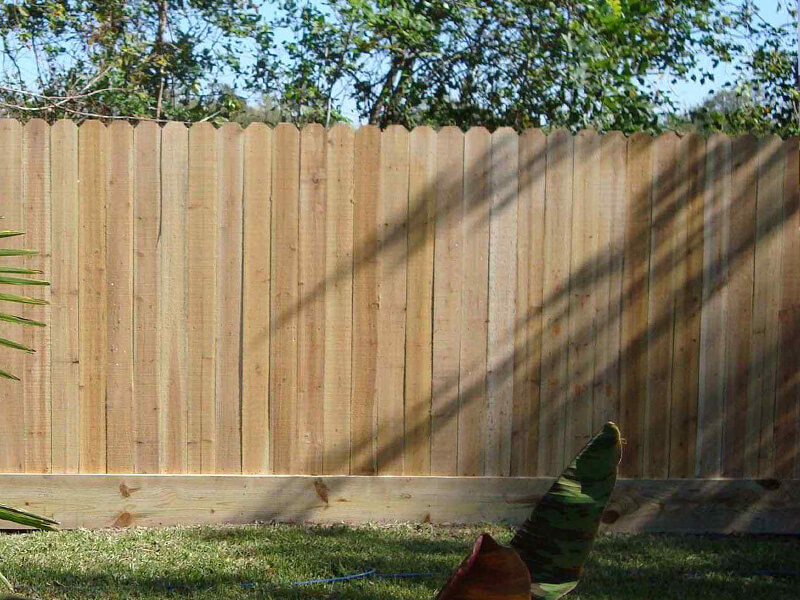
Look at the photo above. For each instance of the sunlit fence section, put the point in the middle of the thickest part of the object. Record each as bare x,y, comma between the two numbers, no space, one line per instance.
343,301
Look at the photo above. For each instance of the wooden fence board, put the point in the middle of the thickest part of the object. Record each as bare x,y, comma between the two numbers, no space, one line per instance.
147,290
502,292
338,301
528,326
366,196
447,290
120,418
12,425
688,280
742,218
256,218
393,248
172,316
92,147
475,296
555,301
660,310
419,326
767,295
64,296
307,457
582,292
610,250
285,295
633,351
36,375
787,403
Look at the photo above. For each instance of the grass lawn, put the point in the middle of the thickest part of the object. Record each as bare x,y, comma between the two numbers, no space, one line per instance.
262,561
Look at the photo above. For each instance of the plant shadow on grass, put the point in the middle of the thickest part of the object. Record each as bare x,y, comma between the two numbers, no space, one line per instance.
264,561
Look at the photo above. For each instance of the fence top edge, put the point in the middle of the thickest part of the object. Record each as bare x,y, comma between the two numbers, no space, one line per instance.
479,129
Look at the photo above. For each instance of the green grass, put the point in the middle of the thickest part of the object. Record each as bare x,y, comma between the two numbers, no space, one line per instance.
263,561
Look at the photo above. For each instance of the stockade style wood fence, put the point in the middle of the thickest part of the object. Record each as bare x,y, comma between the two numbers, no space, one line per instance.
390,302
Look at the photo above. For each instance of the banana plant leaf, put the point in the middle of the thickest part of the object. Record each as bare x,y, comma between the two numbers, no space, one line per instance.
558,536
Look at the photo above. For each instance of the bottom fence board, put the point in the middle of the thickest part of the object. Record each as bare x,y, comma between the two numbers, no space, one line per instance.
671,505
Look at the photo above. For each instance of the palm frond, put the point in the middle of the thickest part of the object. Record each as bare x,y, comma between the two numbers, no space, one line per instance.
21,517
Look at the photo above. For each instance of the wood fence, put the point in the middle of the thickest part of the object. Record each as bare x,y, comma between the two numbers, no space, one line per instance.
426,303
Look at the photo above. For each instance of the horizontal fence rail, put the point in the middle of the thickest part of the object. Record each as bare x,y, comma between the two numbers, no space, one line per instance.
358,302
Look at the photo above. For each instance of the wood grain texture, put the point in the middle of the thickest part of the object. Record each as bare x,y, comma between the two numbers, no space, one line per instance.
419,328
92,146
502,301
661,306
767,296
475,297
610,253
64,297
338,300
393,249
787,402
582,292
146,291
36,374
555,301
307,456
12,425
285,295
528,329
688,279
447,290
701,506
257,229
120,415
635,290
172,313
739,250
712,333
201,224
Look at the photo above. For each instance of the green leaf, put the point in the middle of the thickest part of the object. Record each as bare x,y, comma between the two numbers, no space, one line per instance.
556,539
6,375
8,234
15,345
8,513
21,281
20,320
17,252
21,299
19,270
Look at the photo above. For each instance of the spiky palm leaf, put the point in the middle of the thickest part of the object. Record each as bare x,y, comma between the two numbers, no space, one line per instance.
17,276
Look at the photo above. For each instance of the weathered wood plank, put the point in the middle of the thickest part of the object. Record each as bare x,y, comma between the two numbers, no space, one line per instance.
393,249
120,417
787,403
447,289
64,296
767,296
654,506
739,252
582,292
172,316
201,222
688,307
257,224
661,307
92,149
555,301
609,256
338,301
285,301
146,290
419,326
12,425
528,327
502,301
36,374
474,312
307,456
